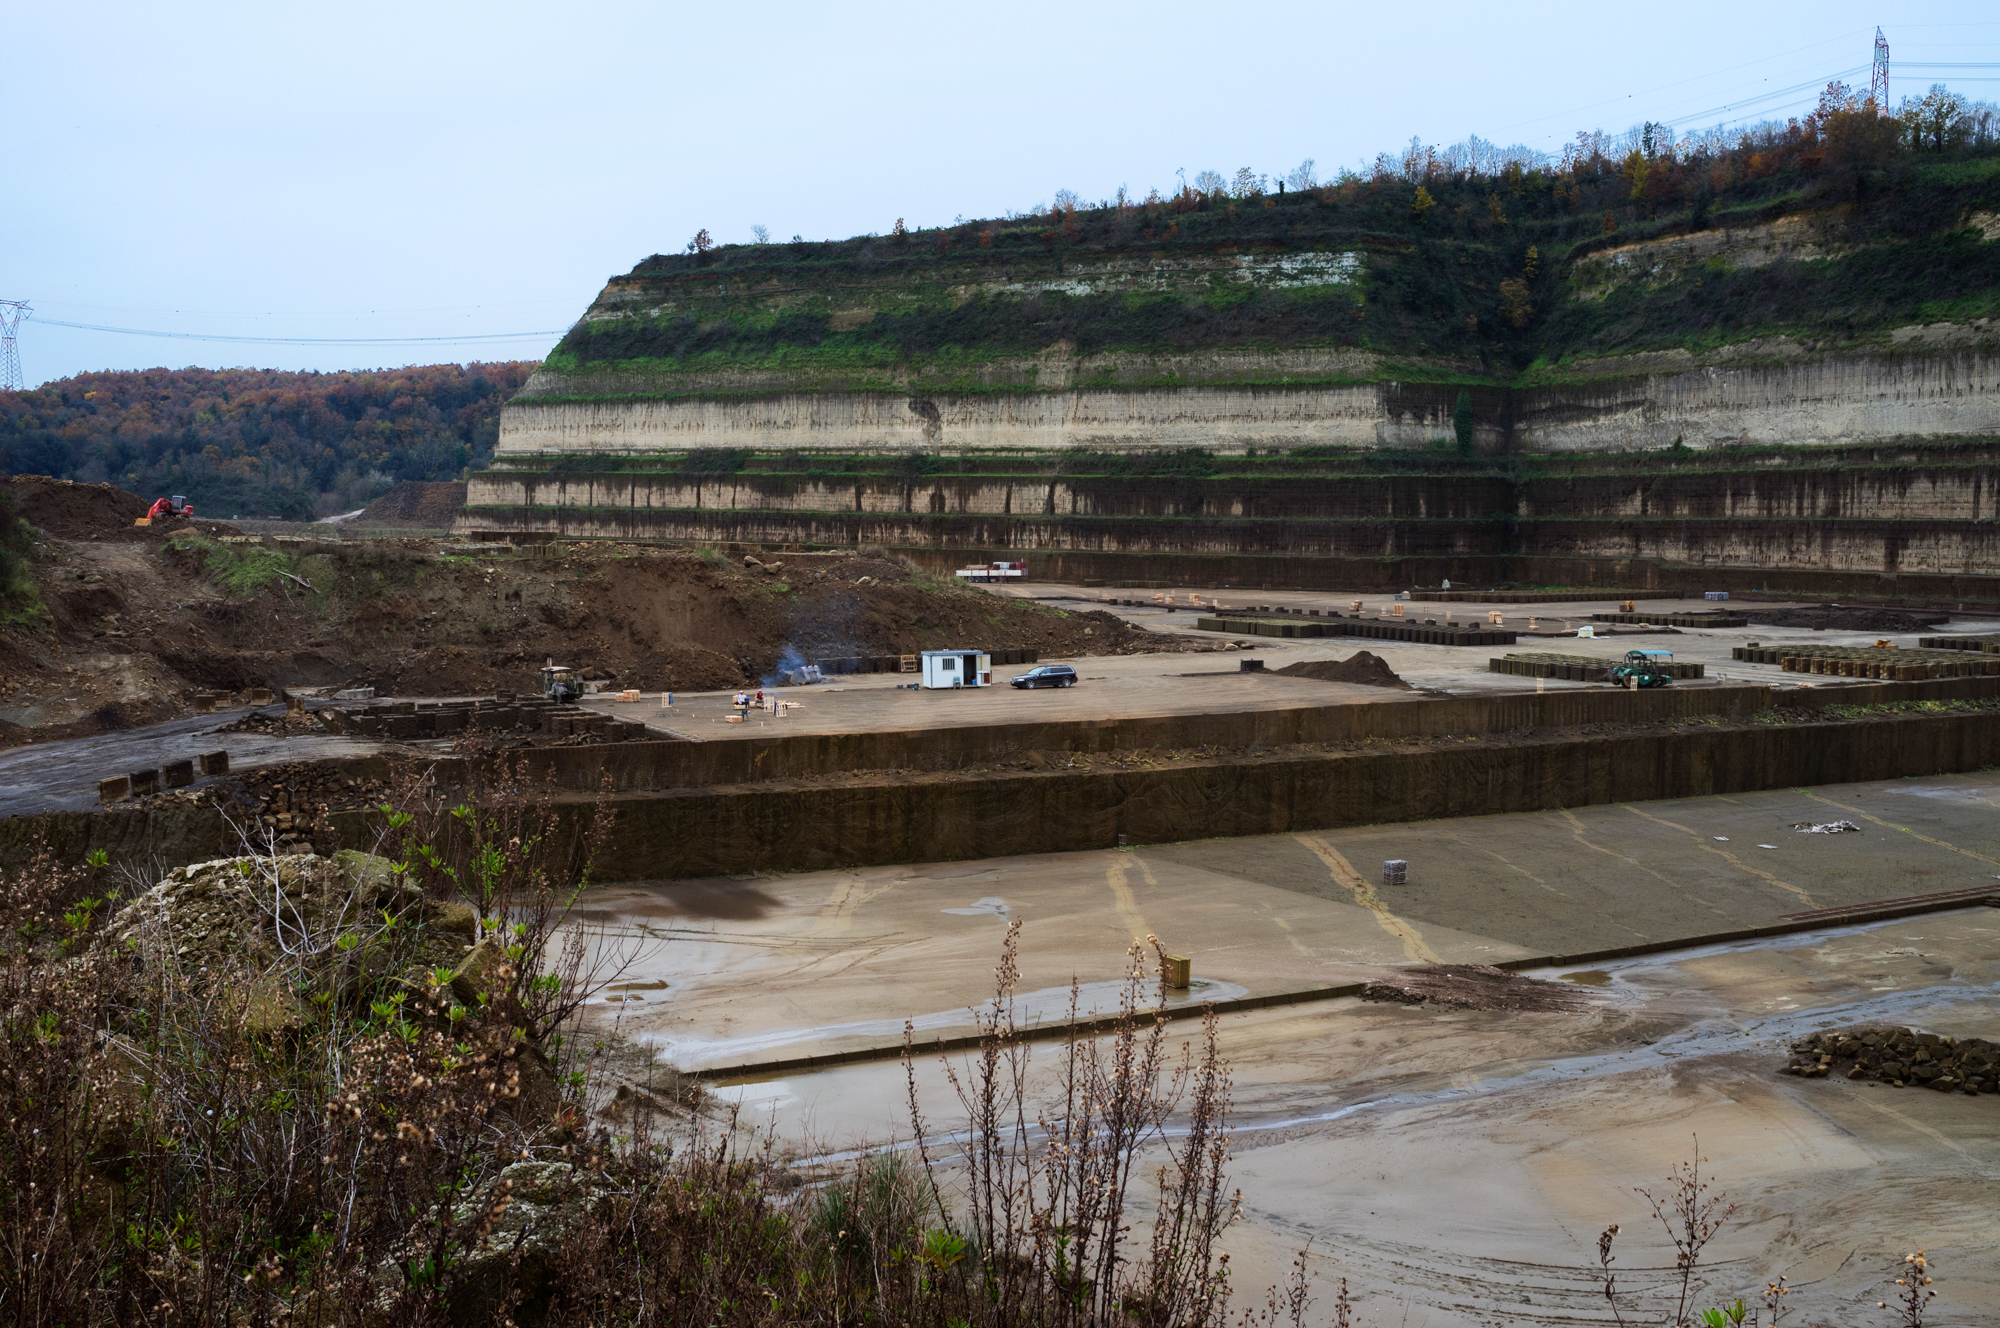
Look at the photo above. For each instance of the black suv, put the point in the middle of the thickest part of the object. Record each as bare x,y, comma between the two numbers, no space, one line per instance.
1049,675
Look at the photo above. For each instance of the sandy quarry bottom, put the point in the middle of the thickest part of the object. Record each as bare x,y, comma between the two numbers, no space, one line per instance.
1456,1166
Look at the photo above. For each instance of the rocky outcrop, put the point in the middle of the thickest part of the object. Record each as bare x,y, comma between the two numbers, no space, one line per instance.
1903,1057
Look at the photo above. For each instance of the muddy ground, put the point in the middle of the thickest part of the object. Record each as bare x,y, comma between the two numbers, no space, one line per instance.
1455,1159
140,619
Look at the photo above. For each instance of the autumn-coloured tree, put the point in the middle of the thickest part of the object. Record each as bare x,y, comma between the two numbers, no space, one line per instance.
1422,203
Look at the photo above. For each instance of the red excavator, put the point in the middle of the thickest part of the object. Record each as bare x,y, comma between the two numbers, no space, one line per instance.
166,507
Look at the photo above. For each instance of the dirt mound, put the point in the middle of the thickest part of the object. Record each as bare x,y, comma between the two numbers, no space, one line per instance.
1836,618
68,510
1473,987
423,503
1364,667
136,626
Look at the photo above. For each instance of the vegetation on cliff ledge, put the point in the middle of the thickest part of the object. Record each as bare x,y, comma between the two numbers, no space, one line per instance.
1832,228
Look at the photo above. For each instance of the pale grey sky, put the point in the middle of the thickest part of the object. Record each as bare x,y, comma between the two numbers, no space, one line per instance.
445,170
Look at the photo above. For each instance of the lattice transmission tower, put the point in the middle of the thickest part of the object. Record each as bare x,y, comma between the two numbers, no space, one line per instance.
11,313
1878,79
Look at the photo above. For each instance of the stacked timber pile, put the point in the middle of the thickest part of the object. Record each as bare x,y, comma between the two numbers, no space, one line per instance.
1883,663
1582,668
1902,1057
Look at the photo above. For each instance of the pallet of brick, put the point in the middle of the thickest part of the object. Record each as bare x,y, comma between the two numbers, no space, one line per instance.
1885,670
1986,644
1884,664
1707,619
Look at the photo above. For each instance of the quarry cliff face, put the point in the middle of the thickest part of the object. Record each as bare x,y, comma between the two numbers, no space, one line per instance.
1246,392
1240,399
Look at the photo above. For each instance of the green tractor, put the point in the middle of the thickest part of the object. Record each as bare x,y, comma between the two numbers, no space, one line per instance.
561,684
1643,668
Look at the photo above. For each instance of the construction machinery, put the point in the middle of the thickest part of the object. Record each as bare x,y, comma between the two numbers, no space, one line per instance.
1642,668
163,508
560,683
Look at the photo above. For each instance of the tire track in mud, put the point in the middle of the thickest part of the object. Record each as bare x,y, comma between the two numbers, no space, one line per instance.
1344,874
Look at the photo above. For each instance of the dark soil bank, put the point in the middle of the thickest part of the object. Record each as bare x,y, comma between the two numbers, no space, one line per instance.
1836,618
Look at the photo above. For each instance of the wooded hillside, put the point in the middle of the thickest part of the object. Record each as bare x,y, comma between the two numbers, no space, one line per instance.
259,442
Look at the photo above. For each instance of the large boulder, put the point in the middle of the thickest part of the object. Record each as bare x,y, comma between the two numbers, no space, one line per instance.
253,908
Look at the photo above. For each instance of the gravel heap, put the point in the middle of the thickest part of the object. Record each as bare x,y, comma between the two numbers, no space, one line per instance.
1900,1056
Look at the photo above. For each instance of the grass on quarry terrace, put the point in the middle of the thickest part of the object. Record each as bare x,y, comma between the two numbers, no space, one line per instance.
244,569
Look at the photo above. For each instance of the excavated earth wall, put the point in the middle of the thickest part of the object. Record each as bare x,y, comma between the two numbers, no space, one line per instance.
1907,519
811,801
746,828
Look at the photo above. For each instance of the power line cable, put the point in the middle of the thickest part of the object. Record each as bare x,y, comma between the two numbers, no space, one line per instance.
1730,69
306,341
1775,94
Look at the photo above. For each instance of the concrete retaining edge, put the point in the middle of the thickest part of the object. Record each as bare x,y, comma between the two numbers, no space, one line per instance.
1092,1027
884,817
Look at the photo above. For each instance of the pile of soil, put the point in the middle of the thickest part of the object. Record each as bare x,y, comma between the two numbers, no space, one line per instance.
1900,1056
425,504
1838,618
1364,667
1473,987
68,510
137,627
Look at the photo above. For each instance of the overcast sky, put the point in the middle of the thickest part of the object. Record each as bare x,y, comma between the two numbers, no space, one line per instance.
432,170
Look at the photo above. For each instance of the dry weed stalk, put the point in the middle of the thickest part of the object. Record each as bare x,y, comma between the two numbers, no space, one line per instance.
1047,1204
1609,1279
1691,1217
1288,1304
1915,1293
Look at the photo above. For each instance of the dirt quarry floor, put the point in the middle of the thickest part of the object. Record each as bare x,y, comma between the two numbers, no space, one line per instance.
140,619
1454,1158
